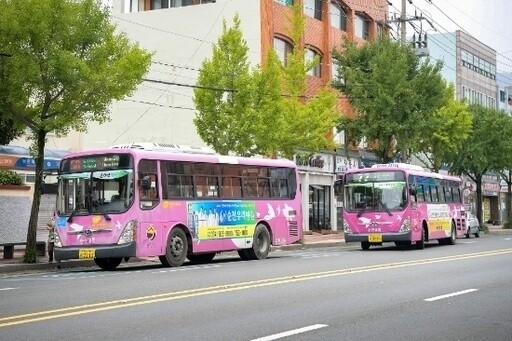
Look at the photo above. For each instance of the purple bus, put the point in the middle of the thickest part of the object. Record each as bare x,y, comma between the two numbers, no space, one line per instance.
148,200
403,204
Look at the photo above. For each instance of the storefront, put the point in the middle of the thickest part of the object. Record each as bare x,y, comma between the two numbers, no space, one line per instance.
345,160
490,193
317,179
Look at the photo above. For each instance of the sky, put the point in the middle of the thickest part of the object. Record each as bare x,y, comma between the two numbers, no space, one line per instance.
487,20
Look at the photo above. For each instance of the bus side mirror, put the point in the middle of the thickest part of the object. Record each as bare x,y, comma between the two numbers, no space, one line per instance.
337,187
412,190
145,182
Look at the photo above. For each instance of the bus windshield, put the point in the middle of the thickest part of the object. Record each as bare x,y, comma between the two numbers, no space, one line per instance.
383,196
106,191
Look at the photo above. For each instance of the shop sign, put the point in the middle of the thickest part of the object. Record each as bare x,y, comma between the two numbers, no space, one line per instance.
319,162
343,163
490,189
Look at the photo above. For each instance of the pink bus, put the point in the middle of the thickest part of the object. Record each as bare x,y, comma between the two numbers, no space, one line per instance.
401,203
151,200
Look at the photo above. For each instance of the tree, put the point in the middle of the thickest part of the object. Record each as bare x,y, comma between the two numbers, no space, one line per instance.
484,150
394,92
448,129
224,95
261,110
68,64
9,129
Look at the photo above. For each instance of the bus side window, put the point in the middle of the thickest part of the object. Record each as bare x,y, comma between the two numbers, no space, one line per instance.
148,184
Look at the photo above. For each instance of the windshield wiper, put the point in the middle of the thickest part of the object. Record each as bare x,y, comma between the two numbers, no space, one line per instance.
361,211
73,213
385,207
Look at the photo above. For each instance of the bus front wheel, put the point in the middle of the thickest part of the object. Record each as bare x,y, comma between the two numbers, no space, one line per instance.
365,246
260,245
176,249
108,263
201,258
420,244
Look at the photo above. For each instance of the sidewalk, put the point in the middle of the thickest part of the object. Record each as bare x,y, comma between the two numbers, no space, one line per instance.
310,240
15,264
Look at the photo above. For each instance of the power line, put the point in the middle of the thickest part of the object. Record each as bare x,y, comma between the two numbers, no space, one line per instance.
447,16
188,85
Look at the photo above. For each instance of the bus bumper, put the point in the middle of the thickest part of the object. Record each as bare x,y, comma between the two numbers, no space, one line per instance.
386,237
103,251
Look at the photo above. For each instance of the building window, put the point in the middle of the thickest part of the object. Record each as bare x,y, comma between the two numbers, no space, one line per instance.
361,27
285,2
338,16
310,56
313,8
502,96
283,48
380,31
158,4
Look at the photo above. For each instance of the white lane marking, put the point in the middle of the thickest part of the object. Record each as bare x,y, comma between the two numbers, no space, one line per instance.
291,332
4,289
508,238
431,299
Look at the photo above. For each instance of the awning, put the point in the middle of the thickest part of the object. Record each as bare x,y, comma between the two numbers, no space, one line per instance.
18,158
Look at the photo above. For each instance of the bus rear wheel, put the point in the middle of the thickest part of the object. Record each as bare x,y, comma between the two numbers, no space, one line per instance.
260,245
176,249
108,263
420,244
201,258
243,254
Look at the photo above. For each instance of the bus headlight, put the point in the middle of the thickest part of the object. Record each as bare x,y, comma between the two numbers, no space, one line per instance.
56,241
346,228
406,225
129,233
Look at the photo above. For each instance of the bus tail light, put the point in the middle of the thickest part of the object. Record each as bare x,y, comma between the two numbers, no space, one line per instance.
346,228
406,225
129,233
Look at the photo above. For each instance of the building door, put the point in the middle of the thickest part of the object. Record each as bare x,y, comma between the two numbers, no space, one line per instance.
319,207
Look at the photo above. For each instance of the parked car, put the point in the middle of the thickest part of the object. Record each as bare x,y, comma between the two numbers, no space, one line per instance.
473,225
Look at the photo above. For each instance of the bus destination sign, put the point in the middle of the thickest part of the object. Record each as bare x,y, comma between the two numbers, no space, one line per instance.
93,162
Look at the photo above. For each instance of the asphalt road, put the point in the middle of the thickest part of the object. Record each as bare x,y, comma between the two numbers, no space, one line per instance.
458,292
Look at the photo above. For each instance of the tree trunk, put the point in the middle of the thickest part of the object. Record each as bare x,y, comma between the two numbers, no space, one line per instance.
509,197
31,252
478,181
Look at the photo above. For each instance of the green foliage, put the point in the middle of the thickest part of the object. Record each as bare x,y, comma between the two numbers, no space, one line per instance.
448,129
10,178
261,111
9,128
485,149
394,92
68,64
224,98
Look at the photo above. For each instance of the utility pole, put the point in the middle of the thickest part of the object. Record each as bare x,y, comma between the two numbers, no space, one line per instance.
403,20
420,46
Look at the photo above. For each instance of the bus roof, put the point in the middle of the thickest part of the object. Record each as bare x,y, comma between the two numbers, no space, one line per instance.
408,168
182,153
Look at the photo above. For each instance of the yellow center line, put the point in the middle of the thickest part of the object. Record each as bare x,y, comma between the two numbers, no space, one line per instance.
130,302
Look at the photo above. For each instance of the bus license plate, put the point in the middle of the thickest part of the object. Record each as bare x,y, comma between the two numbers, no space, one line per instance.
375,238
86,253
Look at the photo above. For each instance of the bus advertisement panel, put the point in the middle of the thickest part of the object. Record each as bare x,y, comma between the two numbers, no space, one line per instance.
401,203
117,203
